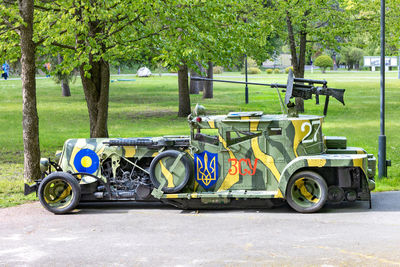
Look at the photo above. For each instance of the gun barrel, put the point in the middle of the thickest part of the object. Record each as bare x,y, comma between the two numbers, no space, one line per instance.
275,85
310,81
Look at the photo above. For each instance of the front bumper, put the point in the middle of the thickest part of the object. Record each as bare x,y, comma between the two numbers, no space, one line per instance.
28,189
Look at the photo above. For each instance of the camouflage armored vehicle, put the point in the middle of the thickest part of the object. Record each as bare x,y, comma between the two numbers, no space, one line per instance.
241,159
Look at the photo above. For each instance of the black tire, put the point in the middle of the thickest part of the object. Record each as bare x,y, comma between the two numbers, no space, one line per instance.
172,154
62,186
306,192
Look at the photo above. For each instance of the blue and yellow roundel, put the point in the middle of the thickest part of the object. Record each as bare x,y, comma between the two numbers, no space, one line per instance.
87,161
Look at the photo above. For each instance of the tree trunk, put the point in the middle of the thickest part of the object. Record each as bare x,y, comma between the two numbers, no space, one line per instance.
184,97
65,88
208,88
96,88
195,85
64,81
30,119
298,63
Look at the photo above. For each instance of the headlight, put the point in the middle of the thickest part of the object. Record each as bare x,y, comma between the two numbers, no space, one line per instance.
44,164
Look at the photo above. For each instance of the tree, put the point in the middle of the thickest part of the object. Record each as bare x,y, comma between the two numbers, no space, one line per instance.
196,86
184,98
324,62
308,22
89,34
17,26
208,88
61,77
352,56
212,32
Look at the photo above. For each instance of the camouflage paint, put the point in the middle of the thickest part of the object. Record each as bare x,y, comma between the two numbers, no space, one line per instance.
265,151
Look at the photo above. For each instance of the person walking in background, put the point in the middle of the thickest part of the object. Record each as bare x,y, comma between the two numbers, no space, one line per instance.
6,70
47,66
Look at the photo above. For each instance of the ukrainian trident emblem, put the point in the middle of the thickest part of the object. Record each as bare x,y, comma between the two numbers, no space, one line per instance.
206,168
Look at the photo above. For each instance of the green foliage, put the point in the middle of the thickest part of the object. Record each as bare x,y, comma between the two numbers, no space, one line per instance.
218,70
251,63
352,56
324,62
253,70
277,71
269,71
199,33
288,68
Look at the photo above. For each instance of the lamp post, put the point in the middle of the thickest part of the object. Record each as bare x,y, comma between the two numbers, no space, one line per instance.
246,89
382,163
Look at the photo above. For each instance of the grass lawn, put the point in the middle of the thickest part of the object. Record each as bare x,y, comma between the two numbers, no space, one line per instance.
148,107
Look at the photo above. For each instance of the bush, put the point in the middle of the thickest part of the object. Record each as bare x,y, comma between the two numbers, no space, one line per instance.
218,70
324,62
253,71
251,63
269,71
276,71
288,68
352,56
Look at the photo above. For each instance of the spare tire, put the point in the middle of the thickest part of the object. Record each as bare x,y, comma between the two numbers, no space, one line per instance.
173,168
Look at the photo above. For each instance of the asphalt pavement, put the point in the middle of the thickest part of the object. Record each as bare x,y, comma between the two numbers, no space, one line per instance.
143,234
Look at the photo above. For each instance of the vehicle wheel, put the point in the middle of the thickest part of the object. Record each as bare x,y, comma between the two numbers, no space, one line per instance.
166,168
307,192
59,192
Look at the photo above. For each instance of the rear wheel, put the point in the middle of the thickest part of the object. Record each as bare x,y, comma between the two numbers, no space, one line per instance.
307,192
59,192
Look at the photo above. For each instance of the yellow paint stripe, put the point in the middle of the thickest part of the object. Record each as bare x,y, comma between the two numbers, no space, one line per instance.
245,118
266,159
194,195
130,151
73,154
303,190
189,153
196,184
211,124
229,178
100,151
360,151
171,195
358,163
254,125
168,175
299,135
279,194
316,162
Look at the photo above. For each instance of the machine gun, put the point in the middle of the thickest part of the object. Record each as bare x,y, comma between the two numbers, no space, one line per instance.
297,87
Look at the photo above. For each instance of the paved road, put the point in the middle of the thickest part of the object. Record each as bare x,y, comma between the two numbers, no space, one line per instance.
155,235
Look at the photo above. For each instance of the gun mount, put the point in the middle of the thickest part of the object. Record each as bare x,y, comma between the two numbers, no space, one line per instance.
297,87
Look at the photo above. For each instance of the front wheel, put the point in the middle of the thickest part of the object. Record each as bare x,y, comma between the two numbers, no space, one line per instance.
307,192
59,192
